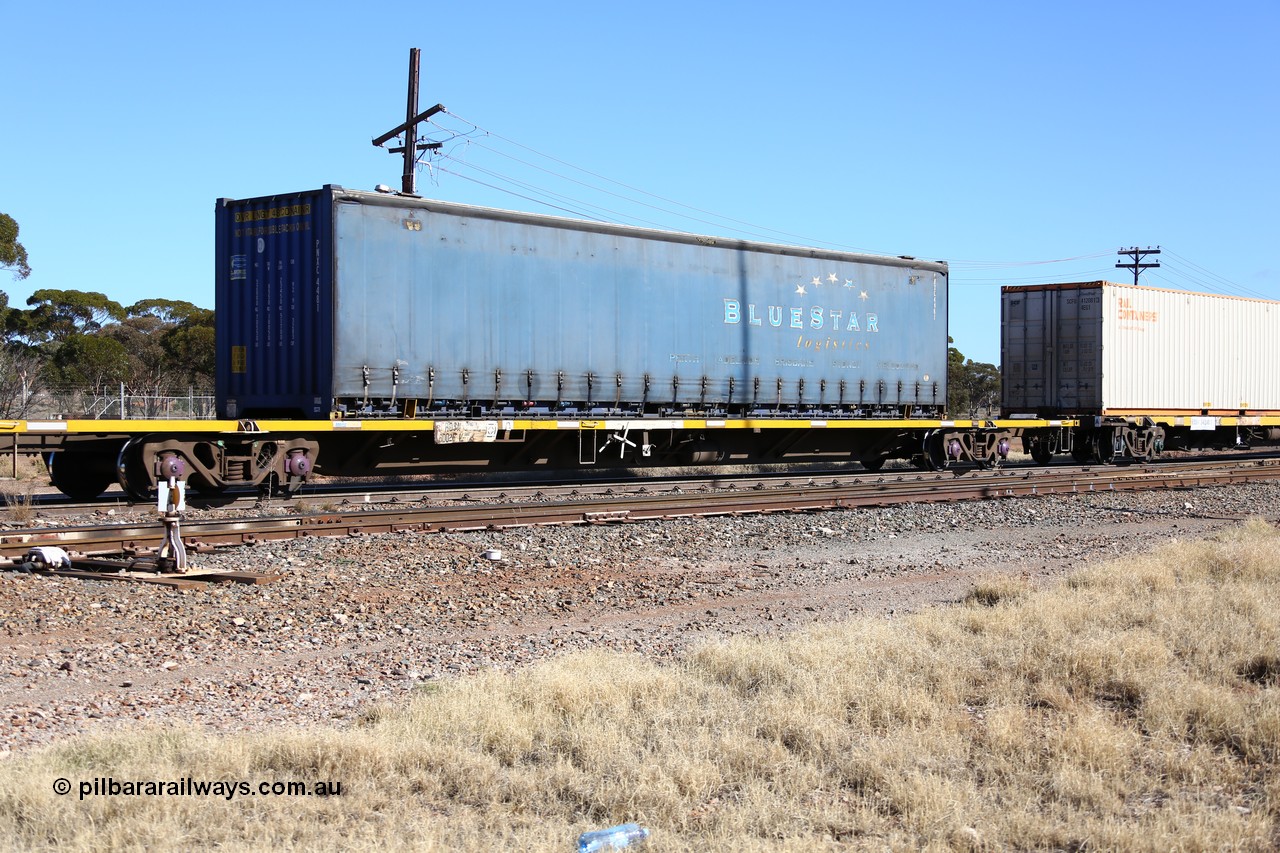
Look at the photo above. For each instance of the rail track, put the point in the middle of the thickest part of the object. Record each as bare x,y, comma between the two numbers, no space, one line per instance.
720,496
337,495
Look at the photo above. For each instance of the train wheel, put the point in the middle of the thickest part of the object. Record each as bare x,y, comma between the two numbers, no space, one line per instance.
934,452
871,463
1104,449
1041,451
131,471
1082,450
80,476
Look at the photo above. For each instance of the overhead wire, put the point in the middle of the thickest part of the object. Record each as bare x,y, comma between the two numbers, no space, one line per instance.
582,209
1074,275
1206,278
750,228
963,271
623,197
759,232
517,195
979,265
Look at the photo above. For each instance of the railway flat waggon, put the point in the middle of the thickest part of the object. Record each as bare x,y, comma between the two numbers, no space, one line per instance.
1142,369
363,333
373,333
499,340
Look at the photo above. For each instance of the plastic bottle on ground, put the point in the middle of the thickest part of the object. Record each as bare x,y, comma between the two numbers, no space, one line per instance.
613,838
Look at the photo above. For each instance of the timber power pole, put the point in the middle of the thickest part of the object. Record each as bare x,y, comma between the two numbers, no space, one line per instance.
412,118
1137,256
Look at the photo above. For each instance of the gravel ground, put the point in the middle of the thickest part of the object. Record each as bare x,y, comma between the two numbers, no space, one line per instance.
359,620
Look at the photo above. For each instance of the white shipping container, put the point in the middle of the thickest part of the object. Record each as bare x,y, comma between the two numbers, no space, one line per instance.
1116,349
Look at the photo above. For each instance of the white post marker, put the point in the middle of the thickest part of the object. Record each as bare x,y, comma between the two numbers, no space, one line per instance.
170,502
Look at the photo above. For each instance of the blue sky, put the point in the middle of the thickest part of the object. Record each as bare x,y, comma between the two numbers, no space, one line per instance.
1000,137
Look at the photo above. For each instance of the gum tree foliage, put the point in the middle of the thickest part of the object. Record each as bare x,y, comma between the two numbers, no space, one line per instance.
147,372
168,310
170,346
57,315
190,351
185,338
84,373
12,255
61,327
21,376
973,387
83,348
96,362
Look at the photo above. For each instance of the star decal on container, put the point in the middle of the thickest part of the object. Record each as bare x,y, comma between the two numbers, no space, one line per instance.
863,295
800,289
848,282
816,281
832,278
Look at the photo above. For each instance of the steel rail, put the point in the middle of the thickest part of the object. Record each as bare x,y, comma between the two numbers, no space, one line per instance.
873,491
543,487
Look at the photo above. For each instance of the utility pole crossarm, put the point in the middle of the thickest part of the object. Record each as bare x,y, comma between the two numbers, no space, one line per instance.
1136,265
422,146
420,117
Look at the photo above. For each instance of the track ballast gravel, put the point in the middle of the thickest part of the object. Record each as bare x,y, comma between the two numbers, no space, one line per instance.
360,620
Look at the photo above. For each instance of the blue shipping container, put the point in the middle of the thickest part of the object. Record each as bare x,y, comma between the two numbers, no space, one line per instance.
274,304
335,298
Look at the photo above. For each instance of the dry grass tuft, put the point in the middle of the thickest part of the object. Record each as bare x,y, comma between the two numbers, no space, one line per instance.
318,507
27,467
1132,708
993,589
1263,670
19,500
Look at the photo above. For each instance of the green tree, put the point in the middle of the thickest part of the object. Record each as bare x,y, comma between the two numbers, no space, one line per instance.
170,348
183,341
57,315
90,361
81,347
21,370
85,371
190,349
170,311
149,371
12,255
973,387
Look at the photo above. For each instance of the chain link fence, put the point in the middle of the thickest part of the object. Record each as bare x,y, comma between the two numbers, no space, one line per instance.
82,403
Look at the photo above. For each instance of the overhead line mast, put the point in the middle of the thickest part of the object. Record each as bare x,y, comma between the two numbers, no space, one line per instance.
412,118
